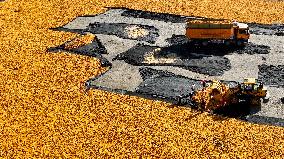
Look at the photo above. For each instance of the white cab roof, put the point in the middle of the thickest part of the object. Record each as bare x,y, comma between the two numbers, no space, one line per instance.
242,25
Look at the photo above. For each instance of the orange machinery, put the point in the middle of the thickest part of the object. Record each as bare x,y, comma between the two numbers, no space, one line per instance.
204,31
218,94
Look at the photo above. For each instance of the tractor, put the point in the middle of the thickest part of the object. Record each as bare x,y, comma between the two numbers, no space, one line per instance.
218,94
253,91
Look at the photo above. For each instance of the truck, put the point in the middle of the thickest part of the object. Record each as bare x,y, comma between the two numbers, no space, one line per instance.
222,31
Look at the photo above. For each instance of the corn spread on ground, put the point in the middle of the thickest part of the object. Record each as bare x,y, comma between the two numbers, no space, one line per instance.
44,111
79,41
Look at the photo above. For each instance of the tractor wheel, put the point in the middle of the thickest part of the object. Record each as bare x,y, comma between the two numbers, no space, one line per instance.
171,56
265,100
255,105
255,101
234,100
282,100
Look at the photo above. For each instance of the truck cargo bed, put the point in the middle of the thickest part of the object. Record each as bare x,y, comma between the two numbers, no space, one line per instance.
209,26
217,30
201,33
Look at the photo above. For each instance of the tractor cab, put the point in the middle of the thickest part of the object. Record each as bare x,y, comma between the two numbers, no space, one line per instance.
251,86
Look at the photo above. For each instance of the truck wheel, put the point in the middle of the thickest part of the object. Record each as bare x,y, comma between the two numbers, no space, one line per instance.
204,43
240,43
227,43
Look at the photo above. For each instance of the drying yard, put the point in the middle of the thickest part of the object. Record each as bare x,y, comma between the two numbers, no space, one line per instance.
134,60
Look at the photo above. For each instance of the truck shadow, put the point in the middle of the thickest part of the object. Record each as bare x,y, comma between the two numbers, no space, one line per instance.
181,45
182,53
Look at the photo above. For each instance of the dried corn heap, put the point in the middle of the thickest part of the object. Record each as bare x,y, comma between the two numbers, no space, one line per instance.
44,114
214,96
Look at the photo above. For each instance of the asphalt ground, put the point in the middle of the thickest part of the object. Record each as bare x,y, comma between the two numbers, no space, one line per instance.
165,48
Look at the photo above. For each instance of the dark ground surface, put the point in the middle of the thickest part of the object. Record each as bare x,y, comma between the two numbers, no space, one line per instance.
94,49
208,60
154,16
158,16
263,29
118,29
131,73
258,29
195,60
271,75
166,85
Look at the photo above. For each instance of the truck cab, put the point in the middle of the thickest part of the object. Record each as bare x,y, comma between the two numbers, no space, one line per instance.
241,33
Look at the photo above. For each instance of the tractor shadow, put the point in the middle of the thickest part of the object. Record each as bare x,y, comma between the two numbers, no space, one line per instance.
238,111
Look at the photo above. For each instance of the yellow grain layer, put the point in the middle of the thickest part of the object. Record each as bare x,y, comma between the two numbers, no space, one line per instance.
44,111
79,41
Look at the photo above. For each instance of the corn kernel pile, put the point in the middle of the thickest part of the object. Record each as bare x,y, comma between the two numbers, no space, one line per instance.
45,113
79,41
